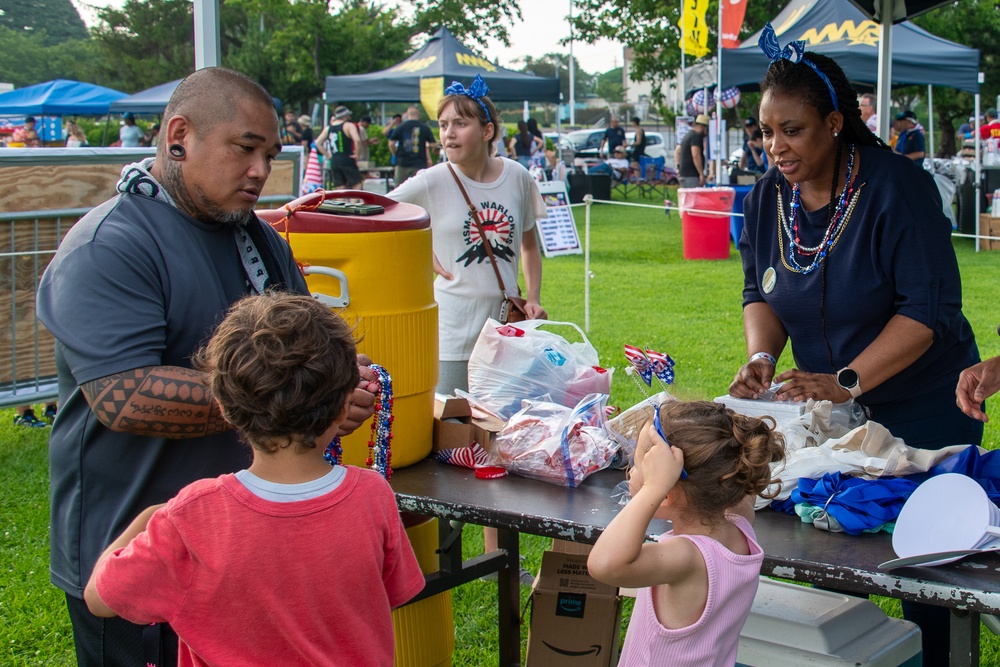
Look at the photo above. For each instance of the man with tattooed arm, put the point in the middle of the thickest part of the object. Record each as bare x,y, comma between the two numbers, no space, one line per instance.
137,286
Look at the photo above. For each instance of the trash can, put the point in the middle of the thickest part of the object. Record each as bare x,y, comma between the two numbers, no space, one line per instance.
381,266
597,185
736,222
705,232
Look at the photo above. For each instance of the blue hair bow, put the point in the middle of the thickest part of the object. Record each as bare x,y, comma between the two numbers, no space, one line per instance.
477,91
794,52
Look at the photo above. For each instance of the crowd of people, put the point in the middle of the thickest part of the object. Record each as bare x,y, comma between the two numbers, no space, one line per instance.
189,462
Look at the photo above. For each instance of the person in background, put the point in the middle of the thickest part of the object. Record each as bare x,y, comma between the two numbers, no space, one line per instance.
153,136
689,156
867,105
282,368
500,145
466,287
291,132
339,142
130,134
75,136
638,147
747,162
389,133
754,159
306,138
414,142
910,141
524,144
538,159
25,416
613,136
840,215
697,582
966,129
616,166
137,422
26,134
366,141
990,129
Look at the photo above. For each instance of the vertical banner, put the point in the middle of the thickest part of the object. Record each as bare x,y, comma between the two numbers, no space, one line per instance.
733,12
431,92
694,30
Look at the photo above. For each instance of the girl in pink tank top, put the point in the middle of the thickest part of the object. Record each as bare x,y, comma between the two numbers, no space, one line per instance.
699,465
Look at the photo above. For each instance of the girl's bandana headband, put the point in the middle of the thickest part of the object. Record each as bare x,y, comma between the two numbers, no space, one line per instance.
477,91
794,52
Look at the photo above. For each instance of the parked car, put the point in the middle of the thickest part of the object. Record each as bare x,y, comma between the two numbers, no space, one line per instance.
585,143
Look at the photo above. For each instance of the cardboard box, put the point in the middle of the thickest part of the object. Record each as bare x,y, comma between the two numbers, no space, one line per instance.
575,619
454,426
989,226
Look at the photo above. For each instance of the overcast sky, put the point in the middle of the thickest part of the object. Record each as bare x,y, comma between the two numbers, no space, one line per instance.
544,25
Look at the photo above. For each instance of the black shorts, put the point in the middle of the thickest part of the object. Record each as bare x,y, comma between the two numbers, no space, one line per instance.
110,642
345,174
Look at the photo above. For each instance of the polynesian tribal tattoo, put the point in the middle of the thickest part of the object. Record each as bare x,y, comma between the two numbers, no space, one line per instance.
173,183
160,401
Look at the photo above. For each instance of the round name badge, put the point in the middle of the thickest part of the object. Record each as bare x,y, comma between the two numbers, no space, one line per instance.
767,282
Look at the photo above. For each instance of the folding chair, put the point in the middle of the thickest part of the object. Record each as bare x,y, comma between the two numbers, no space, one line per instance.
651,177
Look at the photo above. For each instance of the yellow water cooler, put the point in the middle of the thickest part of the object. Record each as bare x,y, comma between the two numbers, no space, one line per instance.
376,270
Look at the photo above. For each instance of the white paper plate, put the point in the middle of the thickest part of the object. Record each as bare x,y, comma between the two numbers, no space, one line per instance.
948,512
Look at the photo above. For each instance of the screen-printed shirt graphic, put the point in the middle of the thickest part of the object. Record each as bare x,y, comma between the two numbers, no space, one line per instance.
498,225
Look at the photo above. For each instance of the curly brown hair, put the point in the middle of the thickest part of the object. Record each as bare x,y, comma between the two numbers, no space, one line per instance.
282,367
727,455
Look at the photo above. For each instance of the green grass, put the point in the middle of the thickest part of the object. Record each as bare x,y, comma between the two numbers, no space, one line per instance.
642,292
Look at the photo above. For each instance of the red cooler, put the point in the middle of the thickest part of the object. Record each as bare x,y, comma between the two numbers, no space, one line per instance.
705,214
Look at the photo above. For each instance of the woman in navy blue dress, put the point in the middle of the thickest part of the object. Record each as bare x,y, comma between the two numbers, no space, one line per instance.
847,254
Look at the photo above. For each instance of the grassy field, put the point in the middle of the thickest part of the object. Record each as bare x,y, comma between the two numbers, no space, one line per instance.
642,292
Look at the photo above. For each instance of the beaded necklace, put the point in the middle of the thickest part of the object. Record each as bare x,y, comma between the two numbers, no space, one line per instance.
380,441
838,222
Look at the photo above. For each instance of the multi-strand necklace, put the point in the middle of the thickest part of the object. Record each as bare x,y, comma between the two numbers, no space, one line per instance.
380,441
838,222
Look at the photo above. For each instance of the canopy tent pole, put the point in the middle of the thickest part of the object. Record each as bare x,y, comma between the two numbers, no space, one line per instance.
882,94
683,65
930,125
207,49
572,89
977,192
718,106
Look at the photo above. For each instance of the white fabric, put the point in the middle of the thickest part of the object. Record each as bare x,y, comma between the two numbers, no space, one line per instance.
826,439
508,207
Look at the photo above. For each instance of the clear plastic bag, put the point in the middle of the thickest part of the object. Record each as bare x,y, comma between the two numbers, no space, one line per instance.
556,444
516,362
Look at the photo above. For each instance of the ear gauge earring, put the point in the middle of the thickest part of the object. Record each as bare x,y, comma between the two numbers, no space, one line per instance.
176,151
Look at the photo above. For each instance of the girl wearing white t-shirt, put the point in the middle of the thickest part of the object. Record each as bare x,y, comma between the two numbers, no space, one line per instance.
699,465
508,203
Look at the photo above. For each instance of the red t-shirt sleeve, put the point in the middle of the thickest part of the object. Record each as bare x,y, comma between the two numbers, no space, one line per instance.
147,580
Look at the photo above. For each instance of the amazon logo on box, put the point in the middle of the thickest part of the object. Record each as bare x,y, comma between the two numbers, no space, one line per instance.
575,619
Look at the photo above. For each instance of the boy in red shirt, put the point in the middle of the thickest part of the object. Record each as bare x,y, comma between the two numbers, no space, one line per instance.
291,561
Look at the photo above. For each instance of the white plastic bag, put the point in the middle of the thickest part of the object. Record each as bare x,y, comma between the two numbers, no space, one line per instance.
556,444
516,362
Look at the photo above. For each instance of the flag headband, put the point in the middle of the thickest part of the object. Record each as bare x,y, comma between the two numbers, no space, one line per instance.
793,52
477,91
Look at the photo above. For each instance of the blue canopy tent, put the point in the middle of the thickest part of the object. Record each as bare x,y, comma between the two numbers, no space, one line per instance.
150,101
59,98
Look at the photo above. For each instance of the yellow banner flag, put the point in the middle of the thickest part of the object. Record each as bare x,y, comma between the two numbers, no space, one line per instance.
694,30
431,92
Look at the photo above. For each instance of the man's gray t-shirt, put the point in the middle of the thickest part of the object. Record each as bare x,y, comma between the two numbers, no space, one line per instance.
135,283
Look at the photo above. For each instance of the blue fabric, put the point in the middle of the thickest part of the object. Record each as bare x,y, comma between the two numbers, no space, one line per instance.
984,468
858,504
894,257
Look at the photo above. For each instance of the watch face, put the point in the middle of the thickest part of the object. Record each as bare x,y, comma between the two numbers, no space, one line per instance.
847,378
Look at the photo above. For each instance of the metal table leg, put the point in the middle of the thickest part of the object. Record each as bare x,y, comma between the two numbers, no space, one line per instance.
964,638
509,597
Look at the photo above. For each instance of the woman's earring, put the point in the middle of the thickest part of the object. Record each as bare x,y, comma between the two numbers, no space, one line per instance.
835,134
176,151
